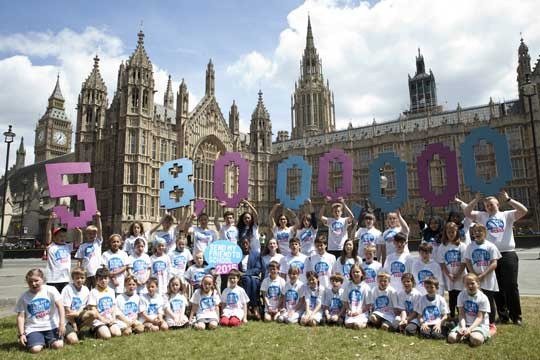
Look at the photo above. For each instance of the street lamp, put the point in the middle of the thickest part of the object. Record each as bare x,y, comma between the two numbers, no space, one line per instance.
384,185
24,182
529,90
9,135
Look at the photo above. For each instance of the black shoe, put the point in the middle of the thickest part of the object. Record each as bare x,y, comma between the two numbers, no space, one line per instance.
504,321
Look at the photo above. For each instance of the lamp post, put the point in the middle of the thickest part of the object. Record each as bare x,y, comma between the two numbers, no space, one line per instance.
384,185
9,135
24,182
529,90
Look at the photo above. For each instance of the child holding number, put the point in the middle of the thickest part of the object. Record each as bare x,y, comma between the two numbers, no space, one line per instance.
337,225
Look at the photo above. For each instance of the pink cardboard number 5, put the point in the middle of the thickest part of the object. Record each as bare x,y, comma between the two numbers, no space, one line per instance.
81,191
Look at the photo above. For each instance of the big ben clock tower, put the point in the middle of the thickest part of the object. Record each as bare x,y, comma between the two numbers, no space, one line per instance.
53,131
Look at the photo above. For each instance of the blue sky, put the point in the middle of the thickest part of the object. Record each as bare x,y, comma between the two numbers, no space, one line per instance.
367,51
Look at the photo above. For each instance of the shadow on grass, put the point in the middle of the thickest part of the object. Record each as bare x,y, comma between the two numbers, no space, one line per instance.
10,346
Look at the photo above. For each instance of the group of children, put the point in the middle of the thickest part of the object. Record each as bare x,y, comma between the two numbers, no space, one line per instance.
125,291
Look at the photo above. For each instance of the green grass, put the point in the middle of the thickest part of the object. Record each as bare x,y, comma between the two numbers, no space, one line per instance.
274,341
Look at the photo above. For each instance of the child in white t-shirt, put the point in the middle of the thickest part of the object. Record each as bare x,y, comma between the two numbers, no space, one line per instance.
175,304
346,260
128,308
167,232
205,305
102,305
321,262
397,263
196,272
337,225
355,299
386,244
333,309
424,266
295,258
407,299
312,294
368,235
292,298
140,265
151,308
371,266
234,302
116,261
75,299
306,230
89,253
40,315
136,231
283,231
432,311
272,291
228,231
473,307
180,257
384,304
161,265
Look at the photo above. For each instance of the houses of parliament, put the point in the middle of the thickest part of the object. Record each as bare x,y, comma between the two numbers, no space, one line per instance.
128,135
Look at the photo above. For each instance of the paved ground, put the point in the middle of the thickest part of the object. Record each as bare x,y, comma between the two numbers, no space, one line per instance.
12,277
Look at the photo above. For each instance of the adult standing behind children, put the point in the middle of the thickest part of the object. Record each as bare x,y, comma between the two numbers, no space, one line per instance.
499,232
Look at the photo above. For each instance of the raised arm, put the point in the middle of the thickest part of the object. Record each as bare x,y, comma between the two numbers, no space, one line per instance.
420,217
271,215
99,225
404,226
521,210
293,217
468,210
48,228
350,215
323,218
253,210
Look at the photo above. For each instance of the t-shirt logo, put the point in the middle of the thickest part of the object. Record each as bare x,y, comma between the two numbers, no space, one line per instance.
232,235
313,301
197,277
298,264
335,306
39,308
179,262
115,263
367,239
423,274
355,297
397,268
322,268
139,267
207,303
453,258
153,309
232,299
76,303
131,309
431,313
470,307
176,305
371,275
62,255
480,257
273,292
382,302
159,267
495,225
282,235
337,227
389,236
105,305
291,297
306,236
167,238
89,252
409,308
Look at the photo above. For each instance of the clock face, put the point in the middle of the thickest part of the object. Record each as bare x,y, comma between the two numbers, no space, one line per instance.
41,135
60,138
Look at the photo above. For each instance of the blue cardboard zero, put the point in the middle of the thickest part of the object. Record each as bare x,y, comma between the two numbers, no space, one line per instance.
222,252
177,190
502,159
356,210
305,181
400,168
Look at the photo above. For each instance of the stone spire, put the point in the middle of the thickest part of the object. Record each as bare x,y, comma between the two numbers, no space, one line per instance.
56,100
210,79
168,99
21,154
260,129
234,119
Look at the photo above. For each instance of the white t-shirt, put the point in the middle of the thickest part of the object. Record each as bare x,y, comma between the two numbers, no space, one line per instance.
139,266
266,259
333,300
464,233
407,301
453,256
366,237
282,237
234,300
207,304
229,232
307,238
313,296
371,270
58,263
298,261
202,238
179,261
384,302
73,298
273,290
387,239
481,257
356,295
292,294
397,265
128,306
129,244
90,254
194,275
115,261
40,312
345,269
161,266
152,305
499,228
422,270
104,301
176,304
337,233
169,236
472,305
431,310
322,265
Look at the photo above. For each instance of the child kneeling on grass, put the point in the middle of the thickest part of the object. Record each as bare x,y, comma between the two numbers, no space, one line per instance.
102,306
205,305
234,302
40,315
432,311
128,307
384,304
313,294
75,299
152,307
272,292
473,306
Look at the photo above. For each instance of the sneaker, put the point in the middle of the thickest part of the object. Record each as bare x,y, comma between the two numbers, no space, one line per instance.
518,322
385,326
492,329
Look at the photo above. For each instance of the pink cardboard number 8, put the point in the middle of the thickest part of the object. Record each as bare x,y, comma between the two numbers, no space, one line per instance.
81,191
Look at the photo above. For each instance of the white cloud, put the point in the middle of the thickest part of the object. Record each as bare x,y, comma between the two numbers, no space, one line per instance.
368,50
251,68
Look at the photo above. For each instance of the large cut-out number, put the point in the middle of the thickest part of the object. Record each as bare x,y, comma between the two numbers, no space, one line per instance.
177,188
502,160
452,186
340,156
82,192
305,182
233,158
400,168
